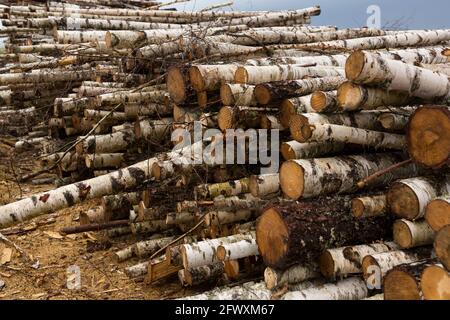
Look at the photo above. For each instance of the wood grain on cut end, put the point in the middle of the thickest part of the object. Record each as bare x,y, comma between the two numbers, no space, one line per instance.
241,75
403,201
196,79
355,65
435,283
326,264
349,96
402,234
429,136
319,101
292,179
287,151
271,235
225,118
287,110
299,128
357,208
176,85
400,285
437,213
262,94
226,95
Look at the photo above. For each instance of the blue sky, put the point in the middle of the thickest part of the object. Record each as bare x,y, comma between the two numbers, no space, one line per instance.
405,14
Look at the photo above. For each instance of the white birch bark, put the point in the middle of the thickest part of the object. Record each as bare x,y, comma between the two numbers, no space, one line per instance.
296,150
410,234
264,185
237,94
248,291
294,274
237,250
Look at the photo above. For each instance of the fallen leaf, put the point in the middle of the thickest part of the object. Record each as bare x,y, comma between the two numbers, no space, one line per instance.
54,235
6,256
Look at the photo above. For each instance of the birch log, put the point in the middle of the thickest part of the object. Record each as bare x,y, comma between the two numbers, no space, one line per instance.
108,143
211,77
203,252
248,291
309,178
366,68
324,101
409,234
273,91
66,196
370,206
296,150
237,94
409,198
294,274
437,213
345,261
348,289
344,134
264,185
237,250
292,106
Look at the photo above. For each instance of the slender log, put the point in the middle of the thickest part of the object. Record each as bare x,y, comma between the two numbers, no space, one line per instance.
442,246
435,283
428,136
95,227
211,77
237,250
93,215
108,143
264,185
348,289
308,178
325,101
248,291
153,130
370,206
295,274
237,94
292,106
201,275
118,206
275,91
437,213
409,198
296,150
289,233
104,160
230,188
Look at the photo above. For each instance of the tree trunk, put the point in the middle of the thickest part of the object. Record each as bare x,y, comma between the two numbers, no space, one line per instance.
435,283
367,68
349,289
298,232
275,91
345,261
442,246
394,121
409,198
428,136
370,206
403,281
437,213
201,275
309,178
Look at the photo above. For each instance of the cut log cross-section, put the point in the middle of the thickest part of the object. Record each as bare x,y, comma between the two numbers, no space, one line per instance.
442,246
435,283
410,234
437,213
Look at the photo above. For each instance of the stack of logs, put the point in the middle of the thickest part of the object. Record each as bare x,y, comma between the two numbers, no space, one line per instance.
360,205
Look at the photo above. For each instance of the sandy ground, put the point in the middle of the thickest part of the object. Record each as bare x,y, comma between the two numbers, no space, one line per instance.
45,277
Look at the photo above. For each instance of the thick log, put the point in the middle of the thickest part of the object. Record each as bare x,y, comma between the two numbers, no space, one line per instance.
403,281
345,261
276,91
309,178
437,213
428,136
366,68
409,234
349,289
211,77
293,106
370,206
108,143
298,232
409,198
435,283
442,246
153,130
